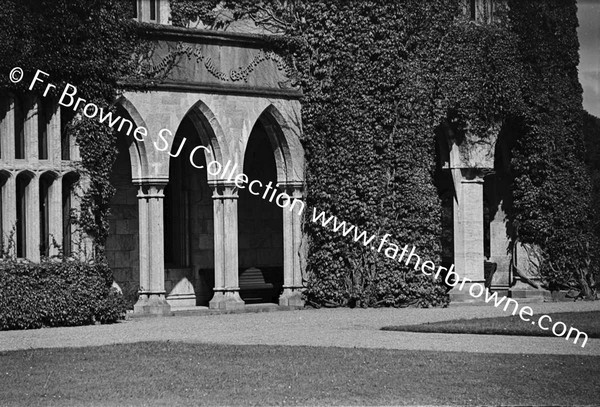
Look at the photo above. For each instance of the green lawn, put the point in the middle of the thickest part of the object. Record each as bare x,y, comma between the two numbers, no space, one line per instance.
167,373
588,322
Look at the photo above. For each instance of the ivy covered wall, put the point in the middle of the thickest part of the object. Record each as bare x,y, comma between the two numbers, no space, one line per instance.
552,189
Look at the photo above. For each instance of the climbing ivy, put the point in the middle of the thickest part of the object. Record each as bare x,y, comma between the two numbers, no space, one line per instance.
374,95
551,188
591,133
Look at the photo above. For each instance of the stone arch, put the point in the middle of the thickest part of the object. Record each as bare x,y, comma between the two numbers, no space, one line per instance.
188,206
130,168
26,174
5,218
138,155
69,202
278,259
285,142
52,174
210,132
4,176
26,210
74,175
50,195
260,221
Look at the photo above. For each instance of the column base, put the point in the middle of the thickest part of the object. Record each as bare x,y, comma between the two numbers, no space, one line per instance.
181,300
291,298
523,291
182,295
229,300
502,292
464,296
216,300
153,305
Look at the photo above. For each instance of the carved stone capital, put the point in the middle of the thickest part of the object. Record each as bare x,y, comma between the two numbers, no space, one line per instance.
293,189
224,189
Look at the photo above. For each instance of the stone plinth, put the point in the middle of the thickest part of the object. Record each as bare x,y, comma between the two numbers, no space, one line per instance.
154,305
181,290
468,232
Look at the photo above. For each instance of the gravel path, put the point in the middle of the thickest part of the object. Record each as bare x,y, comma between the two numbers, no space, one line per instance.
324,327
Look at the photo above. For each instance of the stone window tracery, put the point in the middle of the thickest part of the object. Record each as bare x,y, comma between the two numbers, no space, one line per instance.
37,177
480,11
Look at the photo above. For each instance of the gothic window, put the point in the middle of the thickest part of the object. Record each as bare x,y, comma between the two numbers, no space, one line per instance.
23,181
45,182
480,11
153,7
44,115
146,10
3,233
3,132
19,110
68,184
66,115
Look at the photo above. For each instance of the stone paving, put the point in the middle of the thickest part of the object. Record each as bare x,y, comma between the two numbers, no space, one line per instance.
324,327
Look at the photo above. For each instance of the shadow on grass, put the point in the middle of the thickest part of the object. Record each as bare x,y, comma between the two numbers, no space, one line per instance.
588,322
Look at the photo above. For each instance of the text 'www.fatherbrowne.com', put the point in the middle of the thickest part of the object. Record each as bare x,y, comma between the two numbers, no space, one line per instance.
476,290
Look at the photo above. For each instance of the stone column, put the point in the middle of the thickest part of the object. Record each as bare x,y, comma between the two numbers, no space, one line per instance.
152,265
7,127
54,147
292,237
143,236
9,212
9,188
55,227
468,232
30,107
226,291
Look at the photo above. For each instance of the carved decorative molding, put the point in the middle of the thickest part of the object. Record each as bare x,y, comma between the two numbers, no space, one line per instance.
241,74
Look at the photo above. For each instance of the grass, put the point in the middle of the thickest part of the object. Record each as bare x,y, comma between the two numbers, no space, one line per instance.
588,322
167,373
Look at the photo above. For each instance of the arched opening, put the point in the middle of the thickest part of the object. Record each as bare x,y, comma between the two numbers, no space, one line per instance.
189,219
446,193
497,207
4,131
23,184
68,186
19,125
122,244
260,222
66,115
4,234
44,111
46,185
